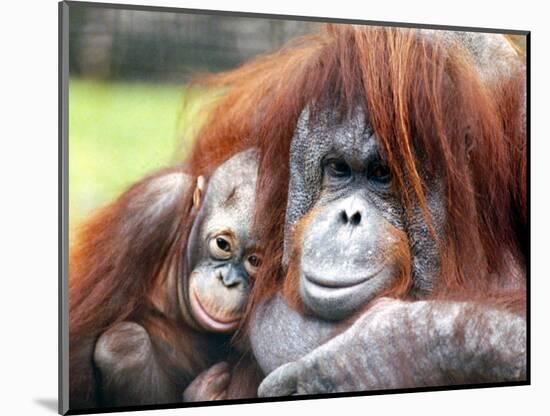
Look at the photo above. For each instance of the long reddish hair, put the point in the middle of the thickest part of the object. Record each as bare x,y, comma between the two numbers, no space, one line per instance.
115,264
422,98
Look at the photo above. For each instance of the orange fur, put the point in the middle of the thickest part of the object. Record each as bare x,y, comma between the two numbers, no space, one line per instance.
122,267
111,279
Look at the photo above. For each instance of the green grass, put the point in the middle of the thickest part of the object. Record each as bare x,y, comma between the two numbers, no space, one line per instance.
118,132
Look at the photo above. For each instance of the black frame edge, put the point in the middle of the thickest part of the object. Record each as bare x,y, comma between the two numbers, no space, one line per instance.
294,398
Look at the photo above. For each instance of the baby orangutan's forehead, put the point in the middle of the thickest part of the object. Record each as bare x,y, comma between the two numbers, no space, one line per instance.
234,181
229,203
232,204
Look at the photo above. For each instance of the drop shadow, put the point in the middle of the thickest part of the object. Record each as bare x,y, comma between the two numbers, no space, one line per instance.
49,404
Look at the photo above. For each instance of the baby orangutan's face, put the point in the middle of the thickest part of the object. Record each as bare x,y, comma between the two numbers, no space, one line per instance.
219,286
221,252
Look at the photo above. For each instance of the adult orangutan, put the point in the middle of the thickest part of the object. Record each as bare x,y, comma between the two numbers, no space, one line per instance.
392,164
158,281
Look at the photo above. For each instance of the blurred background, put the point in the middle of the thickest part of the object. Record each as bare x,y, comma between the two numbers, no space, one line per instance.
128,70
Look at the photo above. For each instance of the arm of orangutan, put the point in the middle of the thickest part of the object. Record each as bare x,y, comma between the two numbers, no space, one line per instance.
399,345
238,380
130,373
209,385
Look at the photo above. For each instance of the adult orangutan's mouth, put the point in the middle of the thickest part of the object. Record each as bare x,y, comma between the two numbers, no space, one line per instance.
328,283
207,320
335,285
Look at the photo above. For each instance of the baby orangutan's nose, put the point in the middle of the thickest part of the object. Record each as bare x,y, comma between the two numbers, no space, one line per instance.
234,277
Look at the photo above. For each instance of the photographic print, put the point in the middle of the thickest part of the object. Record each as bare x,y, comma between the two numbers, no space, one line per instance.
261,207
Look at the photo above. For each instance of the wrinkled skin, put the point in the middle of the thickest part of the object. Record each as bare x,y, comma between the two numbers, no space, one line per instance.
372,353
394,344
347,251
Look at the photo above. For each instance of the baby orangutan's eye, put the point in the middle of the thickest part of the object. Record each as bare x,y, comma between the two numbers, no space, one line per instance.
220,247
252,263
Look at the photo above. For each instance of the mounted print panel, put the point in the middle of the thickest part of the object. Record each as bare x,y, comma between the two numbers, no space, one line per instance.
267,208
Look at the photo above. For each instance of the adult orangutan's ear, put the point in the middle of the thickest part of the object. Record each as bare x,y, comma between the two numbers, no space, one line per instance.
197,194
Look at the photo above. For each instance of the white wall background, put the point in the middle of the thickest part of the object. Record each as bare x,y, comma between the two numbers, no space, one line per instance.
28,207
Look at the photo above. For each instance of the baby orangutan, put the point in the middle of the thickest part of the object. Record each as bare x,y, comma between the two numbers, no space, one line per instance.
170,286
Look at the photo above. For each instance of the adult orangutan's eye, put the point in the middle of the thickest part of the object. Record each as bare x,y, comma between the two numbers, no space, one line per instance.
220,247
337,168
380,173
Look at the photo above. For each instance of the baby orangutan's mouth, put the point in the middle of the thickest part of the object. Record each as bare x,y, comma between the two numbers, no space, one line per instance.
209,322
